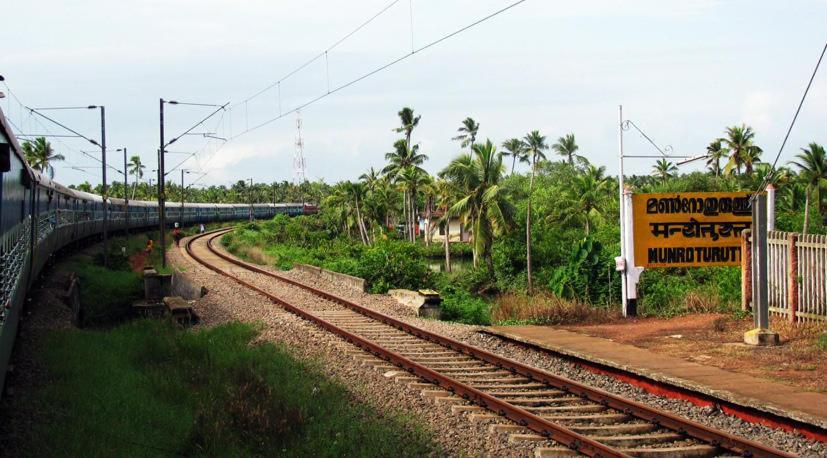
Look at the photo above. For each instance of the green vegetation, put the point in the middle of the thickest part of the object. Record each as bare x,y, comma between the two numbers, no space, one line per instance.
550,228
821,341
149,388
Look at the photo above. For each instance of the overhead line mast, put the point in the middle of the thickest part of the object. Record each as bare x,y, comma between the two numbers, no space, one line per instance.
299,165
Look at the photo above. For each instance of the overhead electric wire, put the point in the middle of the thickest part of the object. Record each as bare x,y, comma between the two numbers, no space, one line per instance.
319,55
767,179
379,69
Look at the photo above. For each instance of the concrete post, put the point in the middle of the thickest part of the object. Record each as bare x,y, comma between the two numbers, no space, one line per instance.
760,293
792,283
760,335
746,271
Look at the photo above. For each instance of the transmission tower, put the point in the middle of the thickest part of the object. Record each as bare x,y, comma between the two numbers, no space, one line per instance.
299,175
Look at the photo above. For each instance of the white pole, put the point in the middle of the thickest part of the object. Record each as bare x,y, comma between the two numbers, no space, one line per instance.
624,291
770,207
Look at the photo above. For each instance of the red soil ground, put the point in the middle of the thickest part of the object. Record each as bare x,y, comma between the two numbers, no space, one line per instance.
717,340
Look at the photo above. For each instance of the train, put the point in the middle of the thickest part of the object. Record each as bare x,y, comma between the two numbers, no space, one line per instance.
39,216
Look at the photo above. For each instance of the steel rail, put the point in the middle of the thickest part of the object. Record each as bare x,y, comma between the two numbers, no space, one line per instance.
667,420
558,433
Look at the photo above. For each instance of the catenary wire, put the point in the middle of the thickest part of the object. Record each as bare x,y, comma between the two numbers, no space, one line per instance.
769,176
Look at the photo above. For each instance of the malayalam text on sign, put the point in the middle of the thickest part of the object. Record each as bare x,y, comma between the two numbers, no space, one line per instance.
691,229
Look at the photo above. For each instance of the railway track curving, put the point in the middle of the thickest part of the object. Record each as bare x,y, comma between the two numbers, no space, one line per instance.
540,405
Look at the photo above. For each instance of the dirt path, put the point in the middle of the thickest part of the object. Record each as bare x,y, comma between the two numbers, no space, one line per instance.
716,340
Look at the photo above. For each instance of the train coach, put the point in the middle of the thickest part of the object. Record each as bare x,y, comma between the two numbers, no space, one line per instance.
39,216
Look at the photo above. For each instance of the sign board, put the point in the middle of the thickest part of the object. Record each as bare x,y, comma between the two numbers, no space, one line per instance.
691,229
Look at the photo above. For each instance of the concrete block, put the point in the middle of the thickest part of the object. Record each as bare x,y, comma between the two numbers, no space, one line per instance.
425,303
156,286
348,281
761,337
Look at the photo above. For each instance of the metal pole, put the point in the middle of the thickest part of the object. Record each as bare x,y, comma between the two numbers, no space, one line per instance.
181,214
125,193
250,192
760,296
623,280
105,192
161,197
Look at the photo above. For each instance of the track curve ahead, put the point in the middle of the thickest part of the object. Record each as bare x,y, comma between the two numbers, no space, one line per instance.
580,418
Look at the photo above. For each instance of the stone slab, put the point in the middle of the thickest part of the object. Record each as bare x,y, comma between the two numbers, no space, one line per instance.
740,389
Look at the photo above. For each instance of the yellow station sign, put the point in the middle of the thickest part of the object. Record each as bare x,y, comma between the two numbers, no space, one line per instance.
690,229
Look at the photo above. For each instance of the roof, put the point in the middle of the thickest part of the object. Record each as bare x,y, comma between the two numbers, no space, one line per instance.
12,141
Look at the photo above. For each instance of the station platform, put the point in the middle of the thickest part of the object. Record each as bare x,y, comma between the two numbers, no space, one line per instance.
753,399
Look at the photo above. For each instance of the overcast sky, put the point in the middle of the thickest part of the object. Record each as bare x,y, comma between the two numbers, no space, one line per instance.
682,70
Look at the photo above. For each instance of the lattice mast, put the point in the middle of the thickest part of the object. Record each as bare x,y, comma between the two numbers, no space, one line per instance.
299,165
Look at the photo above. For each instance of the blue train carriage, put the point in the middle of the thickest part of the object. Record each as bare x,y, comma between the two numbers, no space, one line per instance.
16,184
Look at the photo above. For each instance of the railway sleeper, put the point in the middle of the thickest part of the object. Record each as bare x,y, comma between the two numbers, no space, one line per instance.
576,408
602,419
520,402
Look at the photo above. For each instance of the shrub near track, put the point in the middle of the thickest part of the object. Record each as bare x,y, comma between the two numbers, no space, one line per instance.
148,388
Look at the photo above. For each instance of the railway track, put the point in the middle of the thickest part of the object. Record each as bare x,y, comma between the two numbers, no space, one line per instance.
538,405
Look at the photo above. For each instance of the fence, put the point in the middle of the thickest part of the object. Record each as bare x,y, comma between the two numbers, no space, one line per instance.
797,275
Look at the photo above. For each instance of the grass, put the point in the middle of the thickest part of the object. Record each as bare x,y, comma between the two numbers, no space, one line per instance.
821,342
147,388
545,309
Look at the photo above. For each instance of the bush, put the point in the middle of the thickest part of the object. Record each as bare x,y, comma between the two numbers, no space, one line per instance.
459,305
675,291
391,264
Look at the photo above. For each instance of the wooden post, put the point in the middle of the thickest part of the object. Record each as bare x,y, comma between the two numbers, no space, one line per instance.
792,283
746,271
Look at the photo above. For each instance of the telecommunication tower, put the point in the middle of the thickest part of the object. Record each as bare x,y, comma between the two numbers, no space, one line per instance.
299,175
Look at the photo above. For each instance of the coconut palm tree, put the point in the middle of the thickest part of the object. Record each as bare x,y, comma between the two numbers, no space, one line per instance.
750,158
515,148
135,168
715,152
812,162
738,141
409,122
467,132
371,179
586,196
482,204
400,159
566,146
446,196
535,144
40,155
664,169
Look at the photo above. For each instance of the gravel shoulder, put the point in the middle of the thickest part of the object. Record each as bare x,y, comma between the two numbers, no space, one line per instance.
230,301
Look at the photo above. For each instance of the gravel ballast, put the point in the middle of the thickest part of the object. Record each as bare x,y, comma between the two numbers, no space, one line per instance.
228,301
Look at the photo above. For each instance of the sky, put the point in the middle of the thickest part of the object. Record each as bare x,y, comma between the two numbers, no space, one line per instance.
683,72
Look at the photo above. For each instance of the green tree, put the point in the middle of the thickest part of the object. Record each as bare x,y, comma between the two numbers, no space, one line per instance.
409,122
446,196
585,196
812,163
515,148
739,140
467,132
40,155
715,152
566,146
535,145
664,169
483,204
135,168
399,160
